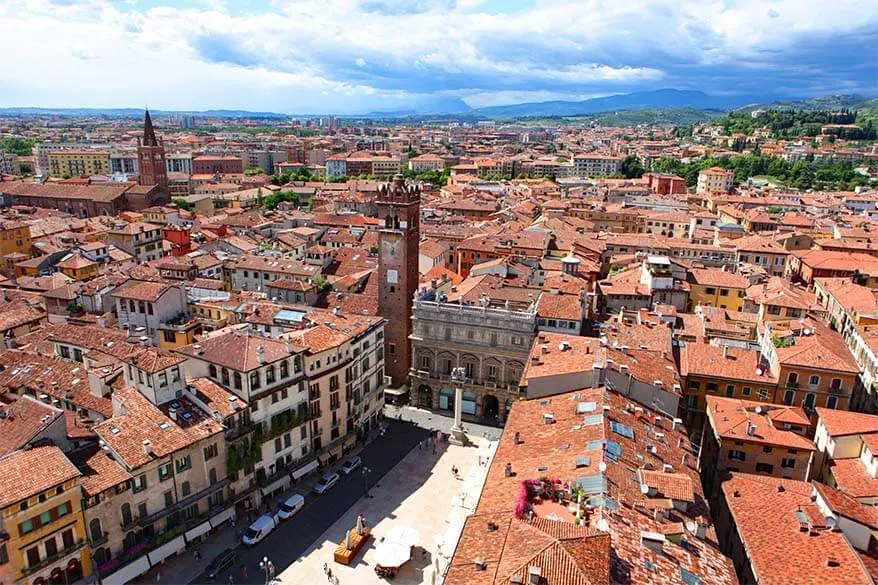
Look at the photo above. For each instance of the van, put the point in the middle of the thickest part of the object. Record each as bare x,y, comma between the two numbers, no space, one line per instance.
291,506
260,528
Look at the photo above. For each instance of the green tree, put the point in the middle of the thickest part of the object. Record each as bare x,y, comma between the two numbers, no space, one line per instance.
632,168
182,204
253,171
17,145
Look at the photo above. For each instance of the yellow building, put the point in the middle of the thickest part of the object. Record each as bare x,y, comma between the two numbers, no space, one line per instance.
713,287
75,163
41,514
78,267
179,332
14,237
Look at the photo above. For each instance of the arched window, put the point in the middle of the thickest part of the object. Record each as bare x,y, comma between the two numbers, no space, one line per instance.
225,374
269,375
284,369
95,530
211,369
255,382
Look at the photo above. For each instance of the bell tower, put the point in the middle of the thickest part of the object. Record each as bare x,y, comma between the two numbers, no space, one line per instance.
398,207
151,158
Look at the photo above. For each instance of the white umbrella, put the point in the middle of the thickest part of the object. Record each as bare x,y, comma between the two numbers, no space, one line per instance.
391,554
404,535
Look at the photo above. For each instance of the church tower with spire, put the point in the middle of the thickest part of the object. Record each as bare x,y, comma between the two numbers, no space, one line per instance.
153,169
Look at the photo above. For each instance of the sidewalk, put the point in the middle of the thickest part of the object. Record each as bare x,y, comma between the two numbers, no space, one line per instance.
421,493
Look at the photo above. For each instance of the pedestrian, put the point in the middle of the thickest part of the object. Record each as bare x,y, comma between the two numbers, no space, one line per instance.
329,575
245,571
158,576
420,443
325,569
197,556
231,579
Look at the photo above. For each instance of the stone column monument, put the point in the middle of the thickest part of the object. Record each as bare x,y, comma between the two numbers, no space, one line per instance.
458,435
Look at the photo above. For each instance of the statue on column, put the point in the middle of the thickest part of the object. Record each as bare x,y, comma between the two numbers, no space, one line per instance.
458,435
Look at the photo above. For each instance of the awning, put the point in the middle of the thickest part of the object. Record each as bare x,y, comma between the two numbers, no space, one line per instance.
223,516
198,530
305,469
128,573
282,483
167,549
396,391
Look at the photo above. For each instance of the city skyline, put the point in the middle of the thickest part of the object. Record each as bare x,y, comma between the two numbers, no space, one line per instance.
356,56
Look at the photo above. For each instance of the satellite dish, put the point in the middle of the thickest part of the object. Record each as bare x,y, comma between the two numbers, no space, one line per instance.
602,466
644,489
758,410
603,525
758,371
691,526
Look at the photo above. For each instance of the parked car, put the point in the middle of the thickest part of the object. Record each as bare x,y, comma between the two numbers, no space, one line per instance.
221,563
291,506
351,464
260,528
326,481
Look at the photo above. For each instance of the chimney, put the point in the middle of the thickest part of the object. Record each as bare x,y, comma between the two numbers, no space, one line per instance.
677,423
725,352
172,412
596,375
508,470
233,402
147,448
751,429
517,438
544,349
336,311
260,353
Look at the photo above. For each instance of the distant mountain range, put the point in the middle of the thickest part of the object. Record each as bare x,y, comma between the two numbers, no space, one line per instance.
451,107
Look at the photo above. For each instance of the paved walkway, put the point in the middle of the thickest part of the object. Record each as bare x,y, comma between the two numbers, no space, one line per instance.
420,492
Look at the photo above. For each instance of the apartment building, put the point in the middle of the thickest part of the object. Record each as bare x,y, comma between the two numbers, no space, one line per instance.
715,180
143,306
124,163
177,162
713,287
161,480
754,437
141,240
812,364
212,164
426,162
41,519
594,165
15,238
490,341
76,163
732,372
847,447
254,273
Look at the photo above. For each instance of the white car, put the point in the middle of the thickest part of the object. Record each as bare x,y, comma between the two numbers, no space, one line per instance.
326,481
291,506
351,464
260,528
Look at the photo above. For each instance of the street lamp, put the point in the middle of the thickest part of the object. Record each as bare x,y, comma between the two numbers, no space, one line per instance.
366,471
267,566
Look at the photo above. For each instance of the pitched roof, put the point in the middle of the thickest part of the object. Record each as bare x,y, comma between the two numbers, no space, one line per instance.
18,479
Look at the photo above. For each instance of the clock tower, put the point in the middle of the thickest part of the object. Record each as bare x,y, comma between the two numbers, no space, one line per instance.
398,207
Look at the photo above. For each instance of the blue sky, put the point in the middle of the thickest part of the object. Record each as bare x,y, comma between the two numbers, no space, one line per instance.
350,56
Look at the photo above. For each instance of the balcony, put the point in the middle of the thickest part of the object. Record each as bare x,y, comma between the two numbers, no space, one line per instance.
52,559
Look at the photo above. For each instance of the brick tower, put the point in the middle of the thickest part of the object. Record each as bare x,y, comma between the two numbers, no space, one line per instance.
398,208
151,158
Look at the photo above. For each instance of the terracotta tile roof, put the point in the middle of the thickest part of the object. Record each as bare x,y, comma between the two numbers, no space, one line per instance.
702,359
141,420
18,479
99,470
846,505
216,397
56,378
141,290
560,306
824,349
731,418
851,476
238,351
22,420
839,423
717,278
592,436
769,514
102,193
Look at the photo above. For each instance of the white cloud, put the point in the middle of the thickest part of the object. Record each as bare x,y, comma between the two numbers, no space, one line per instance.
366,53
